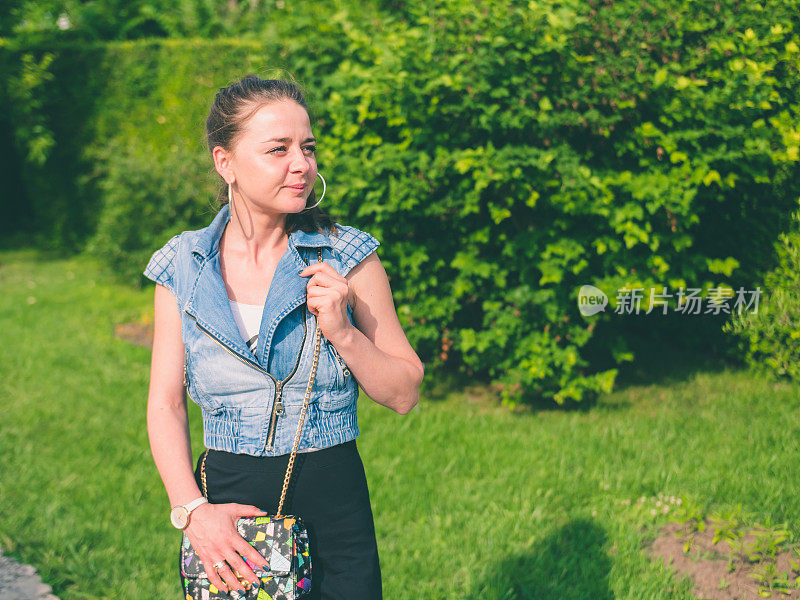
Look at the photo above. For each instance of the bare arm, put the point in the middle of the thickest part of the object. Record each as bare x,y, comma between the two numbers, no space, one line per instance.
211,529
377,350
167,418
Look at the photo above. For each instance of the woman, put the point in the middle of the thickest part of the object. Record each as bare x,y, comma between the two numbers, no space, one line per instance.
236,307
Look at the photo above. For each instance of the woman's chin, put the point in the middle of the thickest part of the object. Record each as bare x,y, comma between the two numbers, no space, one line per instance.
298,206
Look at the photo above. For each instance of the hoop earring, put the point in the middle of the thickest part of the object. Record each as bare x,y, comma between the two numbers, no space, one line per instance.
324,187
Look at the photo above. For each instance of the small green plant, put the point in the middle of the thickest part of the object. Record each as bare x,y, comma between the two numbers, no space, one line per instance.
770,580
795,564
727,525
693,516
737,549
767,543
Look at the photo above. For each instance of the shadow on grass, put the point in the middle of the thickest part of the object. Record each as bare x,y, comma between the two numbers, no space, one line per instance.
569,564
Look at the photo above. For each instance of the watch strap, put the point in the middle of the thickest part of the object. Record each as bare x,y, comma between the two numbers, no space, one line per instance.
194,504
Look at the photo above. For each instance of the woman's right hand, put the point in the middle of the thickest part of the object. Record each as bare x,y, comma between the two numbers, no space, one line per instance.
214,537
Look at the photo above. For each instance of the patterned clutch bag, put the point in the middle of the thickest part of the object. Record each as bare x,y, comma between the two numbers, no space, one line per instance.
281,539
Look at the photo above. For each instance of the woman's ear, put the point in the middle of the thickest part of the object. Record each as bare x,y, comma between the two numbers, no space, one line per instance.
222,163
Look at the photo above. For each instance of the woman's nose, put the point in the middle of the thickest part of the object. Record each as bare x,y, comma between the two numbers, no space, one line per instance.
299,162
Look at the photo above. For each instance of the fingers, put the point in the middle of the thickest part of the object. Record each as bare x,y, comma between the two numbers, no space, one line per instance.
225,576
242,547
236,563
227,553
324,277
322,284
326,280
324,297
322,267
325,293
247,510
247,551
222,577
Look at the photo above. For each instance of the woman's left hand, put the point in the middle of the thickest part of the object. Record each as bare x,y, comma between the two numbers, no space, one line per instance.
327,293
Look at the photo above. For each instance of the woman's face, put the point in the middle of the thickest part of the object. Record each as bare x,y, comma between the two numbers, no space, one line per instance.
274,154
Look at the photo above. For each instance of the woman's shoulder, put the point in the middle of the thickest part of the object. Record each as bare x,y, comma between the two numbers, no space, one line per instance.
161,266
352,245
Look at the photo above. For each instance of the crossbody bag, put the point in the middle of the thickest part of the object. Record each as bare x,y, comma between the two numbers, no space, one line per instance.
281,539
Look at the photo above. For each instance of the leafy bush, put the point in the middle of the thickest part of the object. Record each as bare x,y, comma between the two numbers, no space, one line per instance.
504,153
512,152
770,337
140,203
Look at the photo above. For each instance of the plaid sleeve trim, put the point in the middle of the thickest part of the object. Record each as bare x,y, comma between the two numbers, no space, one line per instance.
353,246
161,266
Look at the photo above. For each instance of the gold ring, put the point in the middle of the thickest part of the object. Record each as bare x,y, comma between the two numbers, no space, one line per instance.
246,583
219,564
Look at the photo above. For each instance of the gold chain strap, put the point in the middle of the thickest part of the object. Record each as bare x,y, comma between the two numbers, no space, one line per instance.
290,466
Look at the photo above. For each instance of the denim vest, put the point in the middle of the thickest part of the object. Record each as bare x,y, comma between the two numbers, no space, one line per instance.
251,401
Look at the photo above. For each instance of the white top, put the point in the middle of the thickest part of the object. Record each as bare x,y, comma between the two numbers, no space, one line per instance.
248,319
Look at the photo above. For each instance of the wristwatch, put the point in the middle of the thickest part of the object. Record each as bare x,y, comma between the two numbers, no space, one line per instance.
180,514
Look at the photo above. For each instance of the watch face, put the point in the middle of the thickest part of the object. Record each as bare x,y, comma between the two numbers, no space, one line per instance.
179,517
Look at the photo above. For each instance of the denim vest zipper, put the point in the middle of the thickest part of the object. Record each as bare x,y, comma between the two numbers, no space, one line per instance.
342,365
277,406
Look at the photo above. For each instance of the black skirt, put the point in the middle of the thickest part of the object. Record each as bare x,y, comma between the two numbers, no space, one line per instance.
328,491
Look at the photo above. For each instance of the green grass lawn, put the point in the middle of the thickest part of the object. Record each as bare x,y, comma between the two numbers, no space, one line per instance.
470,500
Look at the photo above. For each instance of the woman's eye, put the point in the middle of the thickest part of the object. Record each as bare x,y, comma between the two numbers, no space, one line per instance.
311,147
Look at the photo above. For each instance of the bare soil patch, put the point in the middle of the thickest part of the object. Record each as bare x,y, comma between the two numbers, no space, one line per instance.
137,333
723,571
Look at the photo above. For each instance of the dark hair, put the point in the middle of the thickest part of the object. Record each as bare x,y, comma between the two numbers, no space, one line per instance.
233,106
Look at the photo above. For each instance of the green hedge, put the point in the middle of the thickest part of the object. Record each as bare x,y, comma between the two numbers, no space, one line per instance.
770,336
504,153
